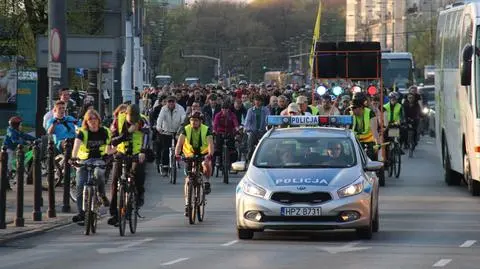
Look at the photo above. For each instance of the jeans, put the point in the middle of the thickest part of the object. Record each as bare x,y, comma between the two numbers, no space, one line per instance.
139,176
82,177
253,138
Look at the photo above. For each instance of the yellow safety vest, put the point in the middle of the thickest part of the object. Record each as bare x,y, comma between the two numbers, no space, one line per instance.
188,149
137,137
314,110
396,112
366,134
83,151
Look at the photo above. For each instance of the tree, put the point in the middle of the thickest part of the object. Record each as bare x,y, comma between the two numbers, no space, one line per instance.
421,40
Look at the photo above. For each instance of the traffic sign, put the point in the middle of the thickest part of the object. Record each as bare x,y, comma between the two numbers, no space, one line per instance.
54,70
55,44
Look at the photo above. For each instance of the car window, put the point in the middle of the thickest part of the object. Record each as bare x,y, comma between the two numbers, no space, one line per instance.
311,152
363,155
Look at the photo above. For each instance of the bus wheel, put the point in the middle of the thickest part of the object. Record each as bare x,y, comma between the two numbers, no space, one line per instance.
451,178
473,185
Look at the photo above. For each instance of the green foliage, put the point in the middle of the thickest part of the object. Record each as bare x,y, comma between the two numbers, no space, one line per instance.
422,32
247,38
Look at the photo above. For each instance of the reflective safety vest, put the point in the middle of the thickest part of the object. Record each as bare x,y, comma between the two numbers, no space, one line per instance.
366,134
314,110
188,149
137,137
83,151
395,118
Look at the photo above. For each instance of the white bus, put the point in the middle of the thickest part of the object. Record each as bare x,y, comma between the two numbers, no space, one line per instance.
397,70
457,77
163,80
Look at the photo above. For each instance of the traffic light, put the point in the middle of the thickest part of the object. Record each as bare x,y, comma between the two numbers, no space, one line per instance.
264,68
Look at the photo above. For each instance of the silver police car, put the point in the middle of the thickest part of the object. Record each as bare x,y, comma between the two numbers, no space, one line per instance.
308,178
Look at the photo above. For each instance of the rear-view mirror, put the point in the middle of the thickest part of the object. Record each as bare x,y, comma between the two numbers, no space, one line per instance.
373,166
239,166
466,65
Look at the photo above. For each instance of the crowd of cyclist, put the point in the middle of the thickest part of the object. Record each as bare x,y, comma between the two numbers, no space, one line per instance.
199,118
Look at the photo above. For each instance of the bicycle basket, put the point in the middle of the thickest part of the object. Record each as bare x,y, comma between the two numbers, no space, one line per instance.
394,132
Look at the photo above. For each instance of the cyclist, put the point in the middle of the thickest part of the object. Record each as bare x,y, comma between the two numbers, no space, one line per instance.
412,112
327,108
365,126
196,139
169,122
64,95
393,115
91,145
130,138
225,123
255,123
13,138
62,127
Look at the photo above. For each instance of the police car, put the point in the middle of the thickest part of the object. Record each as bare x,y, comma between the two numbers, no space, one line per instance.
308,178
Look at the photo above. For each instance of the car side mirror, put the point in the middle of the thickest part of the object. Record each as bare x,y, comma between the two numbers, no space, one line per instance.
373,166
466,65
239,166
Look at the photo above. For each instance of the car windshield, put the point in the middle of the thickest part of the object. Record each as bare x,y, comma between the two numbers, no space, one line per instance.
311,152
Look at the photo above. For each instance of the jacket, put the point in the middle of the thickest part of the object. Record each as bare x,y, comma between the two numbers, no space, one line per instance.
13,138
251,121
171,121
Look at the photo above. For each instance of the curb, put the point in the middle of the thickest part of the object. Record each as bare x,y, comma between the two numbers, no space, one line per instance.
35,232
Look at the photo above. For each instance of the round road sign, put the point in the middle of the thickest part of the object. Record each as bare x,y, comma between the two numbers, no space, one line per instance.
55,44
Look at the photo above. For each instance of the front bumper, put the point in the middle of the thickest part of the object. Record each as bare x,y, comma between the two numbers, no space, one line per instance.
329,220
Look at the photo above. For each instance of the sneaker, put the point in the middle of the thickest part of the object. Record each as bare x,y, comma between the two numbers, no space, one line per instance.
105,201
207,188
113,221
78,218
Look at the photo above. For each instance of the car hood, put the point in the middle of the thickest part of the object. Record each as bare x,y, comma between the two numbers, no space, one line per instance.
278,179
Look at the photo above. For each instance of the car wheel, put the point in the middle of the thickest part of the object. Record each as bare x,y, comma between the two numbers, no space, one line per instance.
376,222
245,234
366,232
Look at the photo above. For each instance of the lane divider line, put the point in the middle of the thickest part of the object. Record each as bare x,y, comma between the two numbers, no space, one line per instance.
468,243
442,262
174,261
230,243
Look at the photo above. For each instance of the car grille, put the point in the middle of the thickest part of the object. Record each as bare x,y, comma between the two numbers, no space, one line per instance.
306,198
300,218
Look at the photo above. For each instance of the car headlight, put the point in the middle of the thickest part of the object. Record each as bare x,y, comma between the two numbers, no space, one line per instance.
352,189
252,189
426,110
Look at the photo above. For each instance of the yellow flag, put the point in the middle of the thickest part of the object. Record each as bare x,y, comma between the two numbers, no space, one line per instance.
316,35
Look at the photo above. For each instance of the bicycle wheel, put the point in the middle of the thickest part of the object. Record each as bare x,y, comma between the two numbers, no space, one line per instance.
173,167
122,210
225,168
88,199
411,143
94,220
201,202
398,161
391,161
73,190
132,212
191,202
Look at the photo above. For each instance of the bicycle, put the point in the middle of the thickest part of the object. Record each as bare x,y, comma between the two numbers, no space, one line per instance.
195,189
371,154
241,143
394,152
223,164
411,139
172,167
127,196
91,198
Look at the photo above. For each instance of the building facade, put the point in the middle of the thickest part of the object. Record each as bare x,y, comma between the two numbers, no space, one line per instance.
387,21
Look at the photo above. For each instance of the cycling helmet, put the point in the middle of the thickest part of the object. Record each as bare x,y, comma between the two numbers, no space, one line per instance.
242,82
356,103
14,122
393,95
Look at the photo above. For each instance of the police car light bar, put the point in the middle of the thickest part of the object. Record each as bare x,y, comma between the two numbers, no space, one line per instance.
310,120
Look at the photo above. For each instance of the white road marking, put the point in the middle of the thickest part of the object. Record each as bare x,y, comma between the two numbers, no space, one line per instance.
230,243
174,261
468,243
350,247
123,248
134,244
442,262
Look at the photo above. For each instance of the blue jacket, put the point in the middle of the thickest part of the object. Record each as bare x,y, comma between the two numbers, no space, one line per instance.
13,138
251,121
64,130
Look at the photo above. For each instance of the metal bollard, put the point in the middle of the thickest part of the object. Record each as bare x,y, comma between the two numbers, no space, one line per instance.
37,183
66,179
19,220
51,181
29,179
3,187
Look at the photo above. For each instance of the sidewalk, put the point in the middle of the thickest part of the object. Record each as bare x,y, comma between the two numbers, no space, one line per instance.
34,227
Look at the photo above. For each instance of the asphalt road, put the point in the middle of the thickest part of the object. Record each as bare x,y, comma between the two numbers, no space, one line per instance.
424,224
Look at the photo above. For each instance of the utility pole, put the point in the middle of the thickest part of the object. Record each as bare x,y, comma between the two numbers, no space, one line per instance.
218,71
127,89
57,49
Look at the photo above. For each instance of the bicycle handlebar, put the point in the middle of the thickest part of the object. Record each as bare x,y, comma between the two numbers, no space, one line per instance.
121,157
78,163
